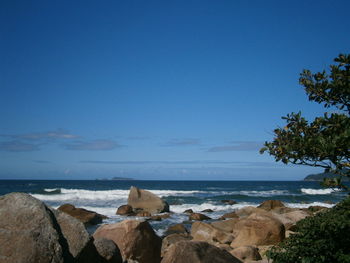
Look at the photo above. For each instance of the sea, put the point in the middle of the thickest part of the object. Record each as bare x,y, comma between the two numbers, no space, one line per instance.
105,196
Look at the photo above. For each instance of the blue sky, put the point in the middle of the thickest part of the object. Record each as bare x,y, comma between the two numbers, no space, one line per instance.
173,90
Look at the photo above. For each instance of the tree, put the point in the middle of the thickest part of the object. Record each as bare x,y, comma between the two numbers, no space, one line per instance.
325,141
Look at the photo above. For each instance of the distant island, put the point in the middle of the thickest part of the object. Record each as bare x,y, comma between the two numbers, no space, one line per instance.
320,176
116,179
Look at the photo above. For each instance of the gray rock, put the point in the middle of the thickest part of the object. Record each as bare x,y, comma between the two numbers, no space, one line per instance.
108,250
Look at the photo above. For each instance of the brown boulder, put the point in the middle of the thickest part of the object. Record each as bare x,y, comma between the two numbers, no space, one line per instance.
197,252
207,211
146,201
248,210
246,253
85,216
188,211
225,225
258,229
206,232
171,239
290,219
271,204
176,229
124,210
198,217
229,215
135,239
143,214
108,251
159,217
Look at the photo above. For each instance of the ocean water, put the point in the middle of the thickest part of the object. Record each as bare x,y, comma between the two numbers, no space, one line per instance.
105,197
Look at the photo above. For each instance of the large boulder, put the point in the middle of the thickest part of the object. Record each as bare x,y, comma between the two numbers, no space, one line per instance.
32,232
248,210
135,239
171,239
226,225
290,219
29,232
108,251
146,201
197,252
87,217
246,253
80,244
271,204
229,215
258,229
201,231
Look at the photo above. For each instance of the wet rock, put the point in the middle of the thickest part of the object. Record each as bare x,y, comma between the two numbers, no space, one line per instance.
207,211
229,202
198,217
143,214
146,201
229,215
135,239
176,229
85,216
124,210
188,211
197,252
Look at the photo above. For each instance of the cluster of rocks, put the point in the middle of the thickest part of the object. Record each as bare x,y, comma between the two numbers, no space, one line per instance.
30,232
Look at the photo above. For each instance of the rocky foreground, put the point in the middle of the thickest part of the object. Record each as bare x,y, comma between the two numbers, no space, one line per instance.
32,232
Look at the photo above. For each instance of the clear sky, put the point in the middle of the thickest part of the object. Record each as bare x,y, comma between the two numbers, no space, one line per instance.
174,90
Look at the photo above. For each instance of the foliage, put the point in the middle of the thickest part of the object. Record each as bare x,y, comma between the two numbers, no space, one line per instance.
322,238
325,141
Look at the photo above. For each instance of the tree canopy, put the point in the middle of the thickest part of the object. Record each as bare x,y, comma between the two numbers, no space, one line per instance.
325,141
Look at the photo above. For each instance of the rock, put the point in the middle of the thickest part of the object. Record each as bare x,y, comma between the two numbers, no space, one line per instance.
135,239
248,210
85,216
143,214
225,225
229,202
224,246
124,210
108,250
188,211
198,217
171,239
246,253
207,211
197,252
258,229
271,204
29,232
147,201
176,229
79,242
290,219
229,215
201,231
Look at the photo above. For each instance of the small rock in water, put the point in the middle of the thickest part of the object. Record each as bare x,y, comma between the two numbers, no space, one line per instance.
198,217
207,211
188,211
229,202
124,210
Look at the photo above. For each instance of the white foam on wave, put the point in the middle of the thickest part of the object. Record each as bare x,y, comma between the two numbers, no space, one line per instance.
49,190
265,193
311,191
300,205
203,206
107,195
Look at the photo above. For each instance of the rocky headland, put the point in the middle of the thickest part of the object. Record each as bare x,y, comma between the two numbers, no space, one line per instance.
32,232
